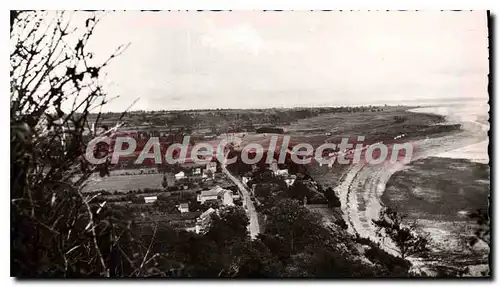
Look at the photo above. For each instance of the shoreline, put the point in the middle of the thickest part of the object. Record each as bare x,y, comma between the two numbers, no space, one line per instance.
477,151
363,185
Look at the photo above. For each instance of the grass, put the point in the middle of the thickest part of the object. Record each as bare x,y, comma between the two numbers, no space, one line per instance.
375,126
390,122
170,217
124,183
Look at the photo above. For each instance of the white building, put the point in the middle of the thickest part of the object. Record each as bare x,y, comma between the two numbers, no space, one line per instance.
289,181
281,172
217,193
245,180
180,175
207,195
227,198
203,221
399,136
150,199
274,166
183,207
212,166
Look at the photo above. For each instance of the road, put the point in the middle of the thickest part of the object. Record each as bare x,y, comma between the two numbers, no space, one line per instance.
253,227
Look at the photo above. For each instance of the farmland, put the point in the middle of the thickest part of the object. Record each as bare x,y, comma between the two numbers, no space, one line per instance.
376,125
124,183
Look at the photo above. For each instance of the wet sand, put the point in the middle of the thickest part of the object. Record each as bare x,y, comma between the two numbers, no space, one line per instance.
363,185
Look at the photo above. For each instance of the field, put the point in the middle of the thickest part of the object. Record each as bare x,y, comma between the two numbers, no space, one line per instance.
124,183
379,125
375,126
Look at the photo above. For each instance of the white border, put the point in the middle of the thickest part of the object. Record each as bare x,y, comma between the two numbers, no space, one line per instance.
222,5
257,4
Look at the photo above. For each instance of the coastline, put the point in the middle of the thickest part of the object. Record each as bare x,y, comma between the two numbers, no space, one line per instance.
362,186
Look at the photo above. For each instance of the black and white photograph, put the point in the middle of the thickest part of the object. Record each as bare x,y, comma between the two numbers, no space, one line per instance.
250,144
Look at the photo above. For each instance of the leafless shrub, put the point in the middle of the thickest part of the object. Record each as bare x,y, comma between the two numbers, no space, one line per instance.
57,230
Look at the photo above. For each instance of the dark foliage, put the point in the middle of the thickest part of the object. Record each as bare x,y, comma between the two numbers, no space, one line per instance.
482,232
404,235
269,130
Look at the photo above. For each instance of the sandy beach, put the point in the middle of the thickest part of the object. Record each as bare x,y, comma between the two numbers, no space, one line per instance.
363,185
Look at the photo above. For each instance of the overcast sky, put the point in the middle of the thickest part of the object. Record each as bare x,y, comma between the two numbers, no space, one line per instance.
189,60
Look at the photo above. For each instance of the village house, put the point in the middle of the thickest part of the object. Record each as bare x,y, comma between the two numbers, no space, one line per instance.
236,196
245,180
197,171
227,198
202,131
183,207
207,174
204,220
290,180
207,195
180,175
212,166
274,166
218,193
150,199
281,172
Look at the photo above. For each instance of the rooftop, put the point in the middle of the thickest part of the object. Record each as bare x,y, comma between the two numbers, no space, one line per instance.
207,213
210,192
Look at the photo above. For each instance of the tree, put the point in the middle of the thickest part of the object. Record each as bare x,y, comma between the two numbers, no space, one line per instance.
325,261
405,237
194,205
250,259
276,244
230,224
210,204
57,230
166,206
333,200
294,223
262,190
482,232
299,190
164,182
189,253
